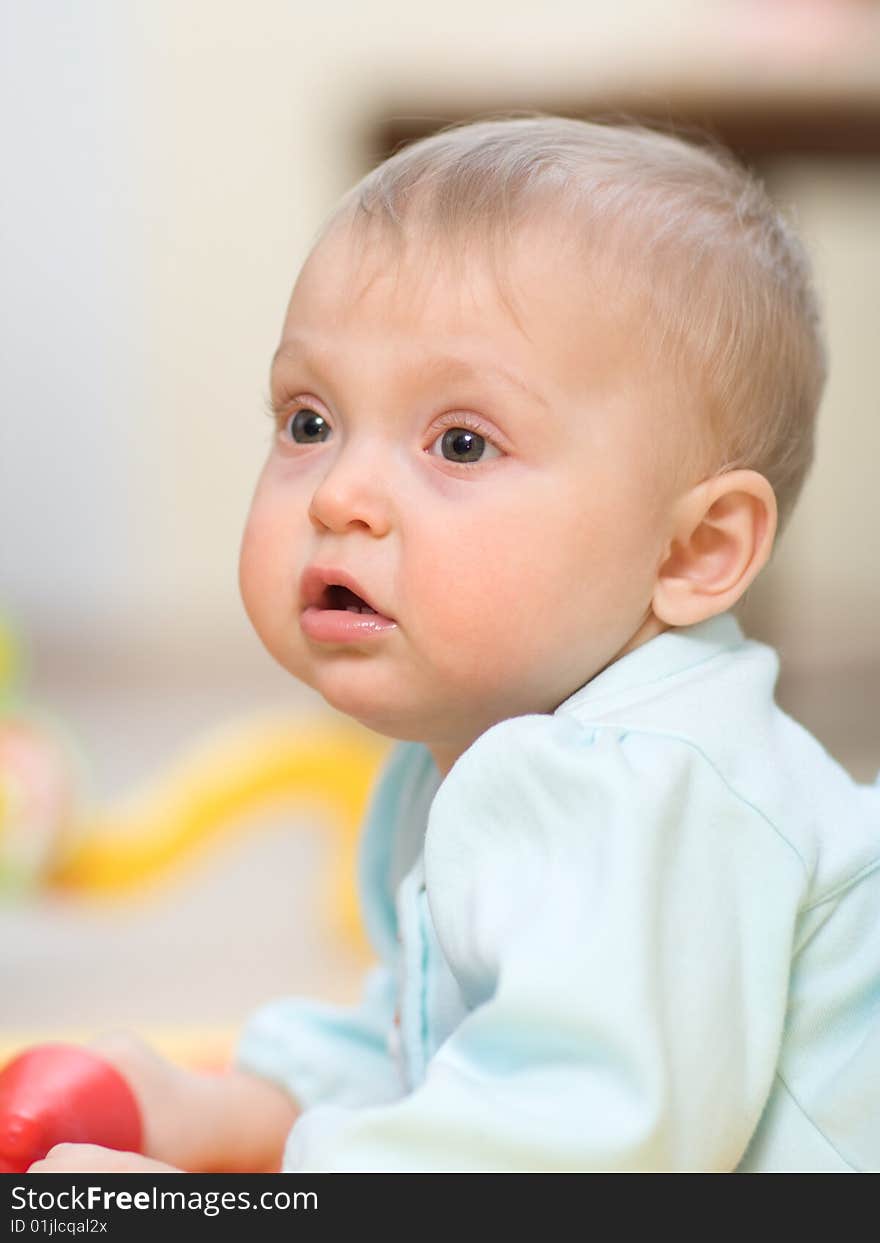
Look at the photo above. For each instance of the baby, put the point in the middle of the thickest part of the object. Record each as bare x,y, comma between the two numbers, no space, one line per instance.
544,398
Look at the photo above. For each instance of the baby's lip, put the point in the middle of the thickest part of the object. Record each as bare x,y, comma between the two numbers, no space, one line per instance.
317,578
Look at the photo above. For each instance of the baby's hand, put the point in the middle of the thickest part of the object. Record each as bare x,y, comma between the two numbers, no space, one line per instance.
162,1091
89,1158
198,1121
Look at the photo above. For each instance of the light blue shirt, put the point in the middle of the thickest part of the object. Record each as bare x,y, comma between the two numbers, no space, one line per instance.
641,933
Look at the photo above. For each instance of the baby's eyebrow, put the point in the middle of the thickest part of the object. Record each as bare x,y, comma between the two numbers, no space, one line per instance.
449,364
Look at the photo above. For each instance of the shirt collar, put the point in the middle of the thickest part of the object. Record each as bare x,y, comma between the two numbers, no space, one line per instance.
661,657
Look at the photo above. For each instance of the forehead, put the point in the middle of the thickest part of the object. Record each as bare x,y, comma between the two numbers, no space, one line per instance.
533,302
361,273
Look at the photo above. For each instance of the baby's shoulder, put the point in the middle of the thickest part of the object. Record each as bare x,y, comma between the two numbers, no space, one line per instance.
724,710
547,784
551,786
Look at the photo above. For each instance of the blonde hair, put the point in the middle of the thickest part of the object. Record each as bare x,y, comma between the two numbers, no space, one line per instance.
728,284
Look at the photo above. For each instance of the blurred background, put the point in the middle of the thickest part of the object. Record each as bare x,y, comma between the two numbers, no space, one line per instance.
166,163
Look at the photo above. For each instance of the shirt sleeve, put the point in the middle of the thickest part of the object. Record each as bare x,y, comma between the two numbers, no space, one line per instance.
322,1053
620,922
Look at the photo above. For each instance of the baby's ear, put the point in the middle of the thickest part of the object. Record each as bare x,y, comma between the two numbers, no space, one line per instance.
723,532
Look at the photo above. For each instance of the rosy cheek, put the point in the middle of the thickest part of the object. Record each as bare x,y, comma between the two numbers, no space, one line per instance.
257,561
247,585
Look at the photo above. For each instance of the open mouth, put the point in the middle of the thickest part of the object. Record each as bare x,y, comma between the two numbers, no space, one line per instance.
342,599
334,611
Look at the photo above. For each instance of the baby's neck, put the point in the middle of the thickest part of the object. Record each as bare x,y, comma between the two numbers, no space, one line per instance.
446,753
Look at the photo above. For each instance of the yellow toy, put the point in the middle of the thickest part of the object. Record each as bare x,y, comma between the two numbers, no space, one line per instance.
236,774
233,776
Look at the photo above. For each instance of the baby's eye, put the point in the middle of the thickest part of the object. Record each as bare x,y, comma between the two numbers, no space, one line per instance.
306,426
463,445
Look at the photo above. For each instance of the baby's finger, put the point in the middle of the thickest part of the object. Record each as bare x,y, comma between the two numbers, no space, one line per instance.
55,1158
81,1158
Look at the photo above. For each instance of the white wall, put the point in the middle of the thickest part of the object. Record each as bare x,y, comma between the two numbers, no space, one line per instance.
826,585
71,313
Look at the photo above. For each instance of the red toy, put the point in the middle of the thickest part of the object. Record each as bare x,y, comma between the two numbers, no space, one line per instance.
60,1093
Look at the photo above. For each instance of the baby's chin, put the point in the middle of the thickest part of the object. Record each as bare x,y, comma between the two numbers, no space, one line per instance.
403,722
389,705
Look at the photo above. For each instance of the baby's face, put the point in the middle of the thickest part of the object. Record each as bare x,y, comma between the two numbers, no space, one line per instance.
493,486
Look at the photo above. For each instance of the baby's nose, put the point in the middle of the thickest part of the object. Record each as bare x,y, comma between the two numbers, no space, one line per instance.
353,493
